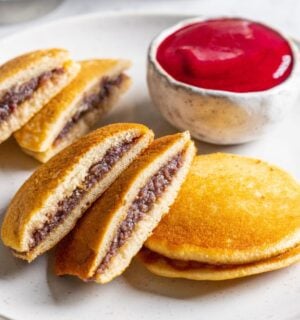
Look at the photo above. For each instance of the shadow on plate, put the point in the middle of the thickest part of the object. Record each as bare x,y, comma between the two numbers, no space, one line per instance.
139,112
144,109
68,289
9,265
13,158
141,279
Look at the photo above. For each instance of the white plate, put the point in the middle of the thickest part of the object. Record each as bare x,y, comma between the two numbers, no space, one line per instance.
33,292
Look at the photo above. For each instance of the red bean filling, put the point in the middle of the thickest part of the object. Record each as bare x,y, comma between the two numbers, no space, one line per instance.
95,173
151,257
20,93
142,204
89,103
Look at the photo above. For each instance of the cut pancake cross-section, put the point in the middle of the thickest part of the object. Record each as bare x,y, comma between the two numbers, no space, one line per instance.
75,110
51,201
114,229
28,82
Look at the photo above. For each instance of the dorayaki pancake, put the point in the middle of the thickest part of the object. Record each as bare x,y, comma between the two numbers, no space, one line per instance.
194,270
114,229
73,112
28,82
49,203
230,210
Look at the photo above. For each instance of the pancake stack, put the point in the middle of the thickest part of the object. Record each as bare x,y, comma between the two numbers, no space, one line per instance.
234,217
111,233
48,101
99,199
49,203
76,109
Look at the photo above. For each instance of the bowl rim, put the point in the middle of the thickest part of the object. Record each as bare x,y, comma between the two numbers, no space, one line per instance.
157,40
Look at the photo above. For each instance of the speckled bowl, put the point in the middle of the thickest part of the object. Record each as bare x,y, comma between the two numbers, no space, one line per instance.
217,116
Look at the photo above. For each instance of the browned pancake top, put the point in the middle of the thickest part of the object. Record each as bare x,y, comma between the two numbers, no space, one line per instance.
231,209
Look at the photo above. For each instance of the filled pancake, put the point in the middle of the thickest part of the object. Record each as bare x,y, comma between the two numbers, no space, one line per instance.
28,82
116,226
67,185
76,109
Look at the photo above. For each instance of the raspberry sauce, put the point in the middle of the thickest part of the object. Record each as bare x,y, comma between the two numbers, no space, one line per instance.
229,54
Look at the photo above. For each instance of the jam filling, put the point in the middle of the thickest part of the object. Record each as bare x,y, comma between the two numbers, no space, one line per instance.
229,54
142,204
89,103
95,173
20,93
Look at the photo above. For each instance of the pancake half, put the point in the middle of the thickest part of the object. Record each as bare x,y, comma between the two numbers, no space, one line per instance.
28,82
114,229
75,110
231,210
50,202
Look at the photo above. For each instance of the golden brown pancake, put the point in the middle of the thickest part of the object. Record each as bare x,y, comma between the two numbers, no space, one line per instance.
28,82
231,210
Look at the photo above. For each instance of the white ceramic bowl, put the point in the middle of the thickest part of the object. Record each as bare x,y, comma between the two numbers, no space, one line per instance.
217,116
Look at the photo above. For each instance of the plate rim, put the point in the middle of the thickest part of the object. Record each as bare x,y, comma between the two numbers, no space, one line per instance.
99,14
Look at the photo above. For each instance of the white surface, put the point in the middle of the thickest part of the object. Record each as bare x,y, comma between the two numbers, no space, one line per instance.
33,292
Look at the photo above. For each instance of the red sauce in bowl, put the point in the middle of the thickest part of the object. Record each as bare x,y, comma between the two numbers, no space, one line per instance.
229,54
